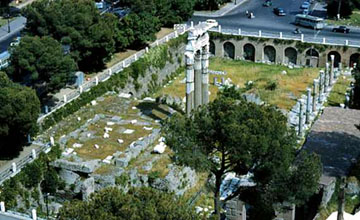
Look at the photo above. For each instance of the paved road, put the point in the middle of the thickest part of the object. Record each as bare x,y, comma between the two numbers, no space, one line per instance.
15,27
266,20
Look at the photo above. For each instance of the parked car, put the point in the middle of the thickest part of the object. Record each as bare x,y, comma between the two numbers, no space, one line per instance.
279,11
342,29
267,3
305,5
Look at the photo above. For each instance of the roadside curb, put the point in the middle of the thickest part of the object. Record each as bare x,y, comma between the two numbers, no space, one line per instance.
220,12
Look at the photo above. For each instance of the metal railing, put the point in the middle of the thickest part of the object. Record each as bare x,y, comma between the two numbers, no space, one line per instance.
282,36
9,172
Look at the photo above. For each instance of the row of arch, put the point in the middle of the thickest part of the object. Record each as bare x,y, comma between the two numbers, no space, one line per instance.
290,54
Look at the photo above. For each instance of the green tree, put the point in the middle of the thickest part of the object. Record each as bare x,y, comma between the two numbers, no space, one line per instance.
51,181
209,4
140,28
41,63
138,203
356,95
19,110
4,5
232,135
92,38
168,12
346,7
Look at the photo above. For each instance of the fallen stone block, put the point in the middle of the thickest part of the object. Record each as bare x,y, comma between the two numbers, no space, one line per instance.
110,123
147,128
77,145
124,95
160,148
83,167
128,131
122,162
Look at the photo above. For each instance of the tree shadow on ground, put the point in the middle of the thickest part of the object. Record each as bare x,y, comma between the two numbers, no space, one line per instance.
338,151
10,149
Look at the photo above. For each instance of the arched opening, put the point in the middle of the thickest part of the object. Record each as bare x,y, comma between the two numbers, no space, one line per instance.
229,50
269,54
312,58
354,58
290,56
337,58
212,48
249,52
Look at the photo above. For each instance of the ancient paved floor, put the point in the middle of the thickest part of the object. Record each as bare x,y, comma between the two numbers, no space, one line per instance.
336,138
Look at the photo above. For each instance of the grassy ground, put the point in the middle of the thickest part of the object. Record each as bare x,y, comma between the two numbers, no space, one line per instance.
353,20
206,196
117,57
289,87
163,32
337,95
110,145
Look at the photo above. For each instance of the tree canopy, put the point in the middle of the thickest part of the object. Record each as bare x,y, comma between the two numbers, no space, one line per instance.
77,23
232,135
140,28
356,95
346,7
41,63
19,110
166,11
137,203
209,4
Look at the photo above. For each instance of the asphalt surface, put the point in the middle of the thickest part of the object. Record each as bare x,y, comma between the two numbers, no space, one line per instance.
15,28
266,21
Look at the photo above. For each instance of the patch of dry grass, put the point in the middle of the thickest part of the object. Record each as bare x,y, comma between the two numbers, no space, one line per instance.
293,84
104,169
160,165
117,57
163,32
337,94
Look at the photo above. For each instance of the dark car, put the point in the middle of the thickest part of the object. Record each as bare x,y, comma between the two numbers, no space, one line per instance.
342,29
279,11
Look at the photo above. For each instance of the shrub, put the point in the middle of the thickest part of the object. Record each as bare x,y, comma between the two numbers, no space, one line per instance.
122,180
152,176
249,85
32,174
271,85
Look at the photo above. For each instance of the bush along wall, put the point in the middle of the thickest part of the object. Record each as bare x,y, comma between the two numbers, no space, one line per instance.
157,64
25,190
